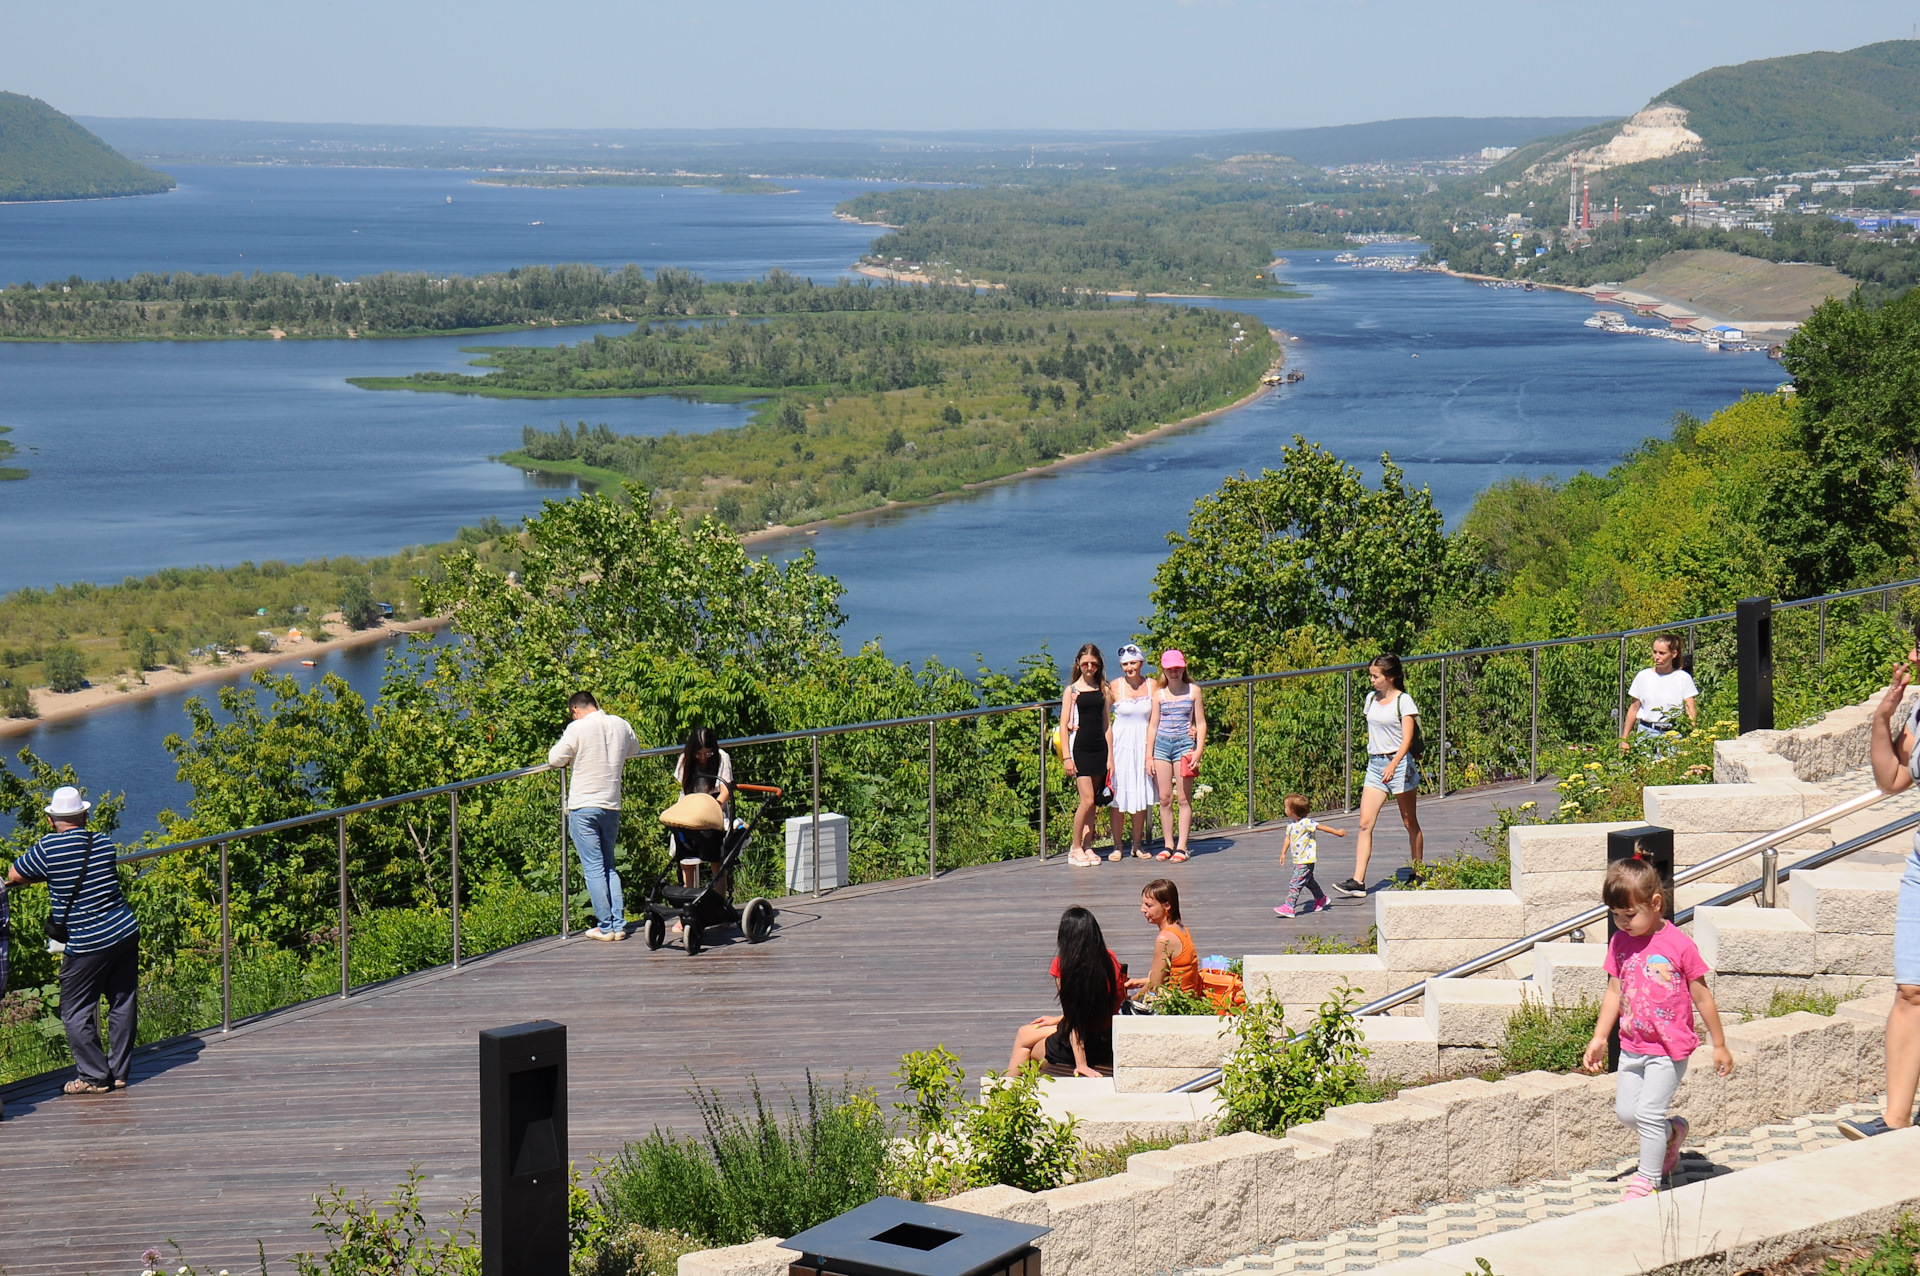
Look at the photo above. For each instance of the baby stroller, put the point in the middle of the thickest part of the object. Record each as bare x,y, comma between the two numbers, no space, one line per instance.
702,831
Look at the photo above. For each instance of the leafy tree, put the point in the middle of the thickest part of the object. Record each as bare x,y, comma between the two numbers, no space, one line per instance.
1307,544
356,604
66,669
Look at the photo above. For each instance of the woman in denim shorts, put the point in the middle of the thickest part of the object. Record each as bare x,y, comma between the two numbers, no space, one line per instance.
1391,723
1896,765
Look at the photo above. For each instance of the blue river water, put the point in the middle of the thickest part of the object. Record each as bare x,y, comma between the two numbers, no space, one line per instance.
218,452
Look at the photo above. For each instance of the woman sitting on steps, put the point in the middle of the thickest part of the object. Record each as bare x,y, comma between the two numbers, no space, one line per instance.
1087,980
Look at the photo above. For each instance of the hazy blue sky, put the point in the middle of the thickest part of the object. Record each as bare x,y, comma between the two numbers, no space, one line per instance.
1138,64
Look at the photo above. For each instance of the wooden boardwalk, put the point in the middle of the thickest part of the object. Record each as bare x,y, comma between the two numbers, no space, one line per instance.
222,1141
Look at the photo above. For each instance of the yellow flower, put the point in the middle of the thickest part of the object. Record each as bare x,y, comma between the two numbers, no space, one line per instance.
1593,766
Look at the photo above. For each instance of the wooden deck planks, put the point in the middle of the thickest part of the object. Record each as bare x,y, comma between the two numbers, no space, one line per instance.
220,1142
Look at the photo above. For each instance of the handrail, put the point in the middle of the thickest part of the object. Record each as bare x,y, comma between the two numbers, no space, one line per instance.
1713,864
986,711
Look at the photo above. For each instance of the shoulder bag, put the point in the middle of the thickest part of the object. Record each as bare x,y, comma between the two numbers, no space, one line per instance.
1419,745
57,931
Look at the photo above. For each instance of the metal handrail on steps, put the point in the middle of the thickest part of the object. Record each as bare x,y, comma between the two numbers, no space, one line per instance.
1705,868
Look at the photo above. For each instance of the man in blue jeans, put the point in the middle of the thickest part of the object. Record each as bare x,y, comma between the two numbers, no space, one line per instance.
598,745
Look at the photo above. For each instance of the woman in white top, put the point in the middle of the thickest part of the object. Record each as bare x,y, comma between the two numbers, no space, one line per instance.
702,767
1133,793
1659,694
1393,719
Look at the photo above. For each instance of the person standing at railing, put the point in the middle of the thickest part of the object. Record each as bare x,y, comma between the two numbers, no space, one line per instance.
91,925
1658,695
1896,765
1178,725
1393,744
598,745
1085,714
1133,797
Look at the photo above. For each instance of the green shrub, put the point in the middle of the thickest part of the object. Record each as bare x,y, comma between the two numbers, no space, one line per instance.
1547,1038
66,669
1104,1162
635,1251
1013,1142
15,700
1172,999
1896,1253
1786,1001
754,1174
1602,783
951,1145
1272,1082
1315,943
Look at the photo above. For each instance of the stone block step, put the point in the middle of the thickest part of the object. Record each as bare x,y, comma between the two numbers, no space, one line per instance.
1309,979
1449,915
1755,941
1471,1012
1567,974
1835,901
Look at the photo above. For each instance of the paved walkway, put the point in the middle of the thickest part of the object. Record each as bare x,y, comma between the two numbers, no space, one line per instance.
224,1140
1359,1249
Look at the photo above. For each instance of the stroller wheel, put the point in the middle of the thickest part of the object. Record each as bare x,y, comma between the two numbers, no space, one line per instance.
656,931
757,920
692,933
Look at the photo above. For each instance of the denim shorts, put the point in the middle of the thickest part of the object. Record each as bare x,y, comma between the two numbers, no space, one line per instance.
1406,776
1906,923
1171,748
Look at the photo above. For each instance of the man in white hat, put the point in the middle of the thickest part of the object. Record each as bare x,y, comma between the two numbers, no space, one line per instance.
101,948
598,745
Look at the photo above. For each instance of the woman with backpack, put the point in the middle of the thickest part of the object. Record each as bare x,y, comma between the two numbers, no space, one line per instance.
1393,744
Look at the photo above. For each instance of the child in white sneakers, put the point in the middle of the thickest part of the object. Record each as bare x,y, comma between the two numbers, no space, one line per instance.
1656,980
1304,850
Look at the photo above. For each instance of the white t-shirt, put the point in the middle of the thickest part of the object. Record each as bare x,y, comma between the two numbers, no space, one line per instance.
1383,720
1663,696
597,745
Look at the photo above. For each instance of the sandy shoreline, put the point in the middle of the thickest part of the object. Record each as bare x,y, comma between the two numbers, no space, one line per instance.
57,707
1118,445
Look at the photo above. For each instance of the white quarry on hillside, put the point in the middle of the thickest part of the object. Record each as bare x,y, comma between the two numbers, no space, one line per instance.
1654,133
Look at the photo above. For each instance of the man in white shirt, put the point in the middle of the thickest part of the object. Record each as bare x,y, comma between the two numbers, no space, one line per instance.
1658,694
598,745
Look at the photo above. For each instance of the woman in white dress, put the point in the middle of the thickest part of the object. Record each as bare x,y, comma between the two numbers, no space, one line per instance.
1133,790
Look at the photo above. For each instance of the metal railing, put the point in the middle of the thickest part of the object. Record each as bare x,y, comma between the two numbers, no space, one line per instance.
932,722
1766,886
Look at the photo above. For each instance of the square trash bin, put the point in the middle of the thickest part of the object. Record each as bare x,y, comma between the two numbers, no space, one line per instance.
891,1237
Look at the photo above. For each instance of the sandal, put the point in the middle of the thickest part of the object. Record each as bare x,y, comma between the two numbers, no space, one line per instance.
1117,856
1179,857
80,1085
1164,855
1142,855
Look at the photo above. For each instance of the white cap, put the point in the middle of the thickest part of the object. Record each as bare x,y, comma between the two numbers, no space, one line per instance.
66,803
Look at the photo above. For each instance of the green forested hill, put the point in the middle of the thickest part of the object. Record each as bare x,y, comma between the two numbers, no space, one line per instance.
1808,110
45,155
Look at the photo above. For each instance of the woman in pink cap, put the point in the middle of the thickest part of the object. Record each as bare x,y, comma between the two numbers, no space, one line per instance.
1178,725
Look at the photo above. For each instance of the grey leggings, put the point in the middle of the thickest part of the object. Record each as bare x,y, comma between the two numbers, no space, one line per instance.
1646,1083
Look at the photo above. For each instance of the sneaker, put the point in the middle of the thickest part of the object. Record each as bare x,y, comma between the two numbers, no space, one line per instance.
1674,1142
1350,887
594,932
1318,906
1285,910
1638,1186
1856,1128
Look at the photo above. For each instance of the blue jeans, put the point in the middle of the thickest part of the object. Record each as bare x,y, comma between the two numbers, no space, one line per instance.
594,831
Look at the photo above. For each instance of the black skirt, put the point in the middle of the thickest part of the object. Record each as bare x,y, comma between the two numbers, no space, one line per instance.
1060,1050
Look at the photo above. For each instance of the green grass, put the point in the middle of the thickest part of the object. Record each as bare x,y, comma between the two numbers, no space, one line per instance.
1787,1001
1104,1162
1542,1038
1334,945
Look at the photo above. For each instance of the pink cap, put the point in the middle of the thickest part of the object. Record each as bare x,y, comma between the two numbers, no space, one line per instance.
1172,659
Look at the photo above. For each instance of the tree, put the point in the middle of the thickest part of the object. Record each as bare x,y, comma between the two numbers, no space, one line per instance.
1307,544
356,604
66,669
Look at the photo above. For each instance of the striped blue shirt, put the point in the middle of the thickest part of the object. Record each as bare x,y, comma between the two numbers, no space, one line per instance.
101,916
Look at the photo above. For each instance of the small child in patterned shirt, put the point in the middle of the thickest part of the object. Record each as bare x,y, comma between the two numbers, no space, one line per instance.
1304,850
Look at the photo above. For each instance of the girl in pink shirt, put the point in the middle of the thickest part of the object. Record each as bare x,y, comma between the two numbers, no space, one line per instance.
1656,980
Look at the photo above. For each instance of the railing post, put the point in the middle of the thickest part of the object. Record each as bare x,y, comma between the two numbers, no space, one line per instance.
1250,816
1533,723
816,815
1770,877
226,949
340,838
1044,715
453,845
1443,727
1349,738
566,918
1822,659
1620,714
933,799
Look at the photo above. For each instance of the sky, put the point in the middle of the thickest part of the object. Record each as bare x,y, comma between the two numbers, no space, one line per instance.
904,64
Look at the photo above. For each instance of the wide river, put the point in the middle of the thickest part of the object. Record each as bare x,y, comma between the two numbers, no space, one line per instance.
149,454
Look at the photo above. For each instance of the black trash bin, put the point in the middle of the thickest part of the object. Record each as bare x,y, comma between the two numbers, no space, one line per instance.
891,1237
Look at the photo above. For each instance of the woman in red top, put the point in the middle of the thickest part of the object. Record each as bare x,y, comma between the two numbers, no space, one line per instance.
1088,981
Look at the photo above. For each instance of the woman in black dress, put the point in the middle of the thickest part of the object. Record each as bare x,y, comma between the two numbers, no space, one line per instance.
1086,713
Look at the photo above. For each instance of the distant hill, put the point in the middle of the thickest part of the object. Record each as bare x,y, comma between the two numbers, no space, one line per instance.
45,155
1775,115
1391,141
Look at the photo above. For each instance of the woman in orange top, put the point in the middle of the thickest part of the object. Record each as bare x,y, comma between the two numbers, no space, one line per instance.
1175,961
